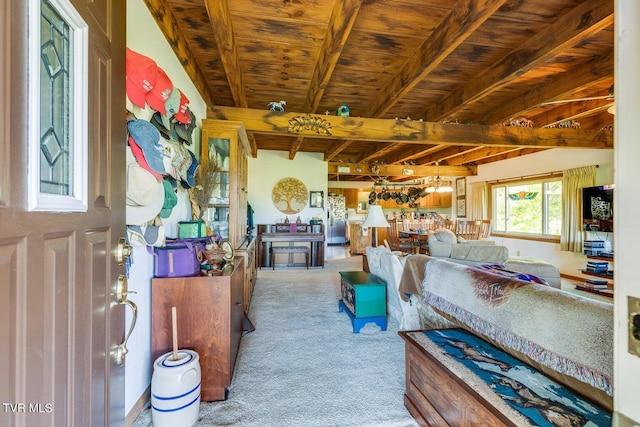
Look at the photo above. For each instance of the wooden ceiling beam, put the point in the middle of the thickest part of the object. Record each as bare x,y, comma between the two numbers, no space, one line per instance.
169,26
376,151
365,169
343,16
443,154
575,111
510,154
458,25
222,31
340,24
253,144
580,23
409,132
336,149
410,153
591,72
478,154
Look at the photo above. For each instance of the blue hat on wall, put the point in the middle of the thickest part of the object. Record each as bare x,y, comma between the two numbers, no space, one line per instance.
148,139
189,181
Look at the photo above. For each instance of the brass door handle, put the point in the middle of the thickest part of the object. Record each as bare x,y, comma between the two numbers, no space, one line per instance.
121,298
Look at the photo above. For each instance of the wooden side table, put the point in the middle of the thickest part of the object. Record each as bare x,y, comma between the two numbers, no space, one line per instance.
364,299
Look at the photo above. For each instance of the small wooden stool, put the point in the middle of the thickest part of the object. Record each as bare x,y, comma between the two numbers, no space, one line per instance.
289,250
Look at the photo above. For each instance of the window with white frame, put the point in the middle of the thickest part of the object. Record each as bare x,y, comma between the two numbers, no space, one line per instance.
58,96
531,207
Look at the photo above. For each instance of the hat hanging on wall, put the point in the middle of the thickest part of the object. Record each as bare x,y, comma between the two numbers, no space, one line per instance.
139,155
147,137
190,180
144,193
142,74
185,132
170,199
157,97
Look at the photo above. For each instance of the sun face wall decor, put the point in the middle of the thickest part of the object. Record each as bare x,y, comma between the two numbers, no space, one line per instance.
289,195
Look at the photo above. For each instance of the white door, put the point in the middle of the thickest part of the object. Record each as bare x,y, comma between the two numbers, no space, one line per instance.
59,320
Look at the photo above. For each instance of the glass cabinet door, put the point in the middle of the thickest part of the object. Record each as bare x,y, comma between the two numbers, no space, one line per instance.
218,220
218,213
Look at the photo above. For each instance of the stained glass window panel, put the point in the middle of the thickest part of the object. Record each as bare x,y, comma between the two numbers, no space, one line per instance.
56,150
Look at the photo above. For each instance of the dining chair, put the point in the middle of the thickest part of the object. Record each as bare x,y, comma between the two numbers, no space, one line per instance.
396,242
468,229
485,229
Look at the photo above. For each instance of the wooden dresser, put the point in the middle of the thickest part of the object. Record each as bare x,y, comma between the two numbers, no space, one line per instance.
210,321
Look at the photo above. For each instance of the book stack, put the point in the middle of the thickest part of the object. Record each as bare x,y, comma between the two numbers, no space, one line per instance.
599,267
593,247
595,284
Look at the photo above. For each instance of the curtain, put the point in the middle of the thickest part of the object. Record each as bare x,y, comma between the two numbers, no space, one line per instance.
479,201
573,180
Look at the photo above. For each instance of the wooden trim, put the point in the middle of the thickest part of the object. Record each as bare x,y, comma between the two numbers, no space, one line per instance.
137,408
530,238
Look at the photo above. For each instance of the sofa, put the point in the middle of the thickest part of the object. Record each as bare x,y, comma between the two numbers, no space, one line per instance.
566,337
443,243
388,266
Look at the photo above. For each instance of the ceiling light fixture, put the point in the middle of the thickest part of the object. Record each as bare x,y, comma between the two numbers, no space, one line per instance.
437,184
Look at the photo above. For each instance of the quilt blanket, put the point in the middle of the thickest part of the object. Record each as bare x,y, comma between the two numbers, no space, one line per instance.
542,401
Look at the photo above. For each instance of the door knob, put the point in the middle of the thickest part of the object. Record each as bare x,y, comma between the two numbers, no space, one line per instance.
123,251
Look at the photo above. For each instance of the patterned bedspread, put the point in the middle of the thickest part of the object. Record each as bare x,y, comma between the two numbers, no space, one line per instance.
530,397
545,325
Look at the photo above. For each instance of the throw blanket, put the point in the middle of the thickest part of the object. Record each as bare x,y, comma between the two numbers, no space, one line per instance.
565,333
412,276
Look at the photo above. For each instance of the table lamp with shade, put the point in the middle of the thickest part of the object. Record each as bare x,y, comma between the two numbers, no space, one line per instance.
375,218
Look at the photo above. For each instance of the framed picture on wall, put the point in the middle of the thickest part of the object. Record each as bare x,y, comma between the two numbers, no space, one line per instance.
461,187
316,199
461,208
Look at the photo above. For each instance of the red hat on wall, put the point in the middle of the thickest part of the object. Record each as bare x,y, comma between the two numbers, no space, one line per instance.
157,97
142,74
181,114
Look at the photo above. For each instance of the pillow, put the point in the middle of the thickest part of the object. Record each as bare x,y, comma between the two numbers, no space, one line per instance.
445,235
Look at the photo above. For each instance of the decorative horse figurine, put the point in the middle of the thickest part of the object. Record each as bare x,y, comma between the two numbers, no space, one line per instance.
277,106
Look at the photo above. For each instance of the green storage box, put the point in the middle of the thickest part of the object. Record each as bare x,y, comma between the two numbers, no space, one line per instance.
190,229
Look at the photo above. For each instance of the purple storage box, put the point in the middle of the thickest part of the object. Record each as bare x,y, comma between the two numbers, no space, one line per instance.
179,258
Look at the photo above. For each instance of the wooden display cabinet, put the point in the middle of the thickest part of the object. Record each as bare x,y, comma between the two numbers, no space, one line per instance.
226,143
209,321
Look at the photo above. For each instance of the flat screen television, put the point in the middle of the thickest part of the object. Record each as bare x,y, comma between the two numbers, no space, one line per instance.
597,208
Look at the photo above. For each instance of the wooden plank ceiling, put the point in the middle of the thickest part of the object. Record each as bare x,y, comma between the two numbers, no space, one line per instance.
426,81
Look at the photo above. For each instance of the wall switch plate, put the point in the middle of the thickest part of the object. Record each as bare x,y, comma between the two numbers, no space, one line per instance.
344,169
633,306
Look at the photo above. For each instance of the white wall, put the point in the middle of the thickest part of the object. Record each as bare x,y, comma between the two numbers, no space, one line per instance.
547,161
141,28
271,166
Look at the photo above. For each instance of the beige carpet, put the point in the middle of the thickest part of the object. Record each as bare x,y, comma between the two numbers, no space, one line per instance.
304,366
